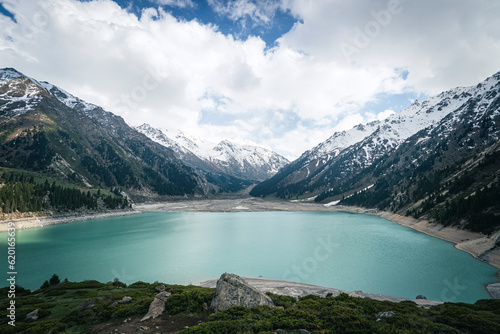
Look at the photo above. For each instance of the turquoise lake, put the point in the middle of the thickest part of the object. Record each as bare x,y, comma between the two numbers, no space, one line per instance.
334,249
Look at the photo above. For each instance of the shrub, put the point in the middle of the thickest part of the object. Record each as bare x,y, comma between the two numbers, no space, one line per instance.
283,301
139,285
192,299
45,285
54,280
82,285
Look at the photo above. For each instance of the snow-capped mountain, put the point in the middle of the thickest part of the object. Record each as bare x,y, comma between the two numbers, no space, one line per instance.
241,161
47,130
345,154
22,94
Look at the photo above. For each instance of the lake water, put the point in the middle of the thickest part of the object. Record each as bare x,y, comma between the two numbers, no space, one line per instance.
334,249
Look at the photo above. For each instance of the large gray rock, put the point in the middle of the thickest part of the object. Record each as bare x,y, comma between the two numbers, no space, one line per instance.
232,290
157,306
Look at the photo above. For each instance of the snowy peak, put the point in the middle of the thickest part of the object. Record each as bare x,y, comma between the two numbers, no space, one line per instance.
395,129
66,98
242,161
8,74
20,94
349,153
157,136
341,140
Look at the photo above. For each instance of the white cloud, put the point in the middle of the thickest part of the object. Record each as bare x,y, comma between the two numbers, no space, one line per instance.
349,121
441,43
384,114
165,71
177,3
257,11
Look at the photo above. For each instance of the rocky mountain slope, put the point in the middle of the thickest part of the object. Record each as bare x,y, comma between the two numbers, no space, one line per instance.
241,161
438,151
49,131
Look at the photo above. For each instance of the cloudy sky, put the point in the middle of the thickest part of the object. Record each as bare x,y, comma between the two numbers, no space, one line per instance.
284,74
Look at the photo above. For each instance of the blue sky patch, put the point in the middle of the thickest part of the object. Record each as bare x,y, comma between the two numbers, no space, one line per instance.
5,12
240,28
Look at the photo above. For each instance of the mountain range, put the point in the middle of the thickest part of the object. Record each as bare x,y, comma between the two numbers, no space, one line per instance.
46,130
241,161
438,159
430,159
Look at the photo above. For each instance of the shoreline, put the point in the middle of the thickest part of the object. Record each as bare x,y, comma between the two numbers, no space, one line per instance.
475,244
297,290
34,222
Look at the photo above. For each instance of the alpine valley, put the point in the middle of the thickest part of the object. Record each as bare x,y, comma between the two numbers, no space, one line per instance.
54,145
438,159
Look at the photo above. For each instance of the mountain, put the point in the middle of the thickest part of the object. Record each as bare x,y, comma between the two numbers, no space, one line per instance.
440,152
46,130
245,162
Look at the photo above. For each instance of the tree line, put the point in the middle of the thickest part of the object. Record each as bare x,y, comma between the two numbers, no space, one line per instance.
20,193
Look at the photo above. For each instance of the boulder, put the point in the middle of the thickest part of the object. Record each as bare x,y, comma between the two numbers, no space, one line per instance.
124,300
421,297
232,290
494,290
157,306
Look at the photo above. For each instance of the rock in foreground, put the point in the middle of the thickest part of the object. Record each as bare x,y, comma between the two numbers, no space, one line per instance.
158,305
232,290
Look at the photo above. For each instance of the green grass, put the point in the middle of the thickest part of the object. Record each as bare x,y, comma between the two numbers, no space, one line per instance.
75,307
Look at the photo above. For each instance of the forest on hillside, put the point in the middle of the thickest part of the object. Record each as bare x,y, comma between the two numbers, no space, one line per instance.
21,193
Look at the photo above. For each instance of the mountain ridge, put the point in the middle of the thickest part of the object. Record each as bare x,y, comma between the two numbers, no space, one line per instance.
45,129
380,164
247,162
